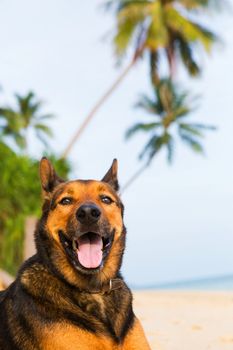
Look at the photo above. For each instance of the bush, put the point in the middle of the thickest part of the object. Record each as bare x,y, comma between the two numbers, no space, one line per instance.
20,195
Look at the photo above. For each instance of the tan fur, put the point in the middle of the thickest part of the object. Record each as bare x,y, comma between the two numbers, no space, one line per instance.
63,337
83,192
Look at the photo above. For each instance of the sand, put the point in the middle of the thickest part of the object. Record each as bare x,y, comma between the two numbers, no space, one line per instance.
175,320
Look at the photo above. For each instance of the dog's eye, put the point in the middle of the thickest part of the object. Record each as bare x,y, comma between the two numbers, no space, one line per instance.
65,201
106,199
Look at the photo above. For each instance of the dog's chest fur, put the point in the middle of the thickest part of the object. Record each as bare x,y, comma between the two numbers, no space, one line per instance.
104,318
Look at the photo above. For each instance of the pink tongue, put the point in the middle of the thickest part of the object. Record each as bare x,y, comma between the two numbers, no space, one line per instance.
90,250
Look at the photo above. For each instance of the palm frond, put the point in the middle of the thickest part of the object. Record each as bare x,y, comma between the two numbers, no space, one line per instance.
187,129
117,5
41,137
45,116
186,54
24,102
157,34
141,127
203,126
155,144
182,111
43,129
192,142
34,107
152,144
189,30
149,105
20,141
123,37
128,20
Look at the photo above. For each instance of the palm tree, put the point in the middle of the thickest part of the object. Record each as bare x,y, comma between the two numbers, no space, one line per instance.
169,108
158,27
17,121
11,126
164,28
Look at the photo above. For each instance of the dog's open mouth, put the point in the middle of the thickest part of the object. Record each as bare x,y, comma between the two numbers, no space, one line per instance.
88,251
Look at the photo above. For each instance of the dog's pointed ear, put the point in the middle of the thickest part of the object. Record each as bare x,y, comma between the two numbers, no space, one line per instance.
111,176
49,178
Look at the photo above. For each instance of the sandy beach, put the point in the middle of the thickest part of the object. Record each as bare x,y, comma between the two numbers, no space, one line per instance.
178,320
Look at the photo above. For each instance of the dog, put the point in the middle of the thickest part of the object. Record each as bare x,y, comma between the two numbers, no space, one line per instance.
70,295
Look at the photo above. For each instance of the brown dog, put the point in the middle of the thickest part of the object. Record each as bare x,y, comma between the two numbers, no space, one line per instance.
70,295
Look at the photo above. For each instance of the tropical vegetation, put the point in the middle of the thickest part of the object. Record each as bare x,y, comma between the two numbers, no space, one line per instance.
170,110
167,29
160,30
17,121
19,180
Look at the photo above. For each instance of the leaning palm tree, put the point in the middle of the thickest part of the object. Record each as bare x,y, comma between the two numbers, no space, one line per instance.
170,109
158,27
164,28
17,121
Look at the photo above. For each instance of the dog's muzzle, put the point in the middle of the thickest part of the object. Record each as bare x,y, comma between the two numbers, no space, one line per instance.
88,251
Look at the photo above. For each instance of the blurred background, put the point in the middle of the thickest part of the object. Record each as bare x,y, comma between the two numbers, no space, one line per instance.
147,82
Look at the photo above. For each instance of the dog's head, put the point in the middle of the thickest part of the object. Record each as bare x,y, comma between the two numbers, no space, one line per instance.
82,229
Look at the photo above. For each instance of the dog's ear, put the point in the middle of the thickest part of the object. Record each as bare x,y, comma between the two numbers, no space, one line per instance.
49,178
111,176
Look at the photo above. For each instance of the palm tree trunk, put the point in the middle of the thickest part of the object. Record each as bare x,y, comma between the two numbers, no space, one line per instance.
134,177
96,107
171,61
154,68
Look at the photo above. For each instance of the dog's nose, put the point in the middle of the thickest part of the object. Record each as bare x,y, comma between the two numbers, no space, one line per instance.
88,214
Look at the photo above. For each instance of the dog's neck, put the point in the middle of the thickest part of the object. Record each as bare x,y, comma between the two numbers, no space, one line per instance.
111,285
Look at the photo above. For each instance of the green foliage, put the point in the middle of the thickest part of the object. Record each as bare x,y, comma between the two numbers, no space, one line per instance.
169,110
20,197
16,121
162,27
19,181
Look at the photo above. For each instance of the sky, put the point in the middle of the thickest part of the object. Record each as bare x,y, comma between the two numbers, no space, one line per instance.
178,217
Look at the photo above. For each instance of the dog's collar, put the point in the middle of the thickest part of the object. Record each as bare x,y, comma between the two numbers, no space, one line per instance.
113,284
